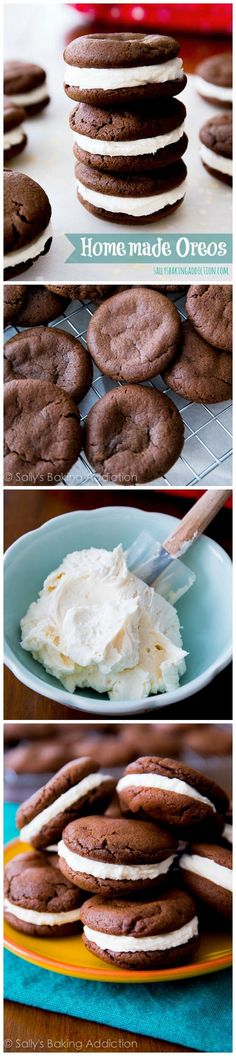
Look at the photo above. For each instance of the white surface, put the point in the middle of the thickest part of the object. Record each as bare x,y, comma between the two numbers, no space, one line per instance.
40,35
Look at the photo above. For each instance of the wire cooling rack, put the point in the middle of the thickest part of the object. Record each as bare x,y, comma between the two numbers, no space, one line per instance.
207,452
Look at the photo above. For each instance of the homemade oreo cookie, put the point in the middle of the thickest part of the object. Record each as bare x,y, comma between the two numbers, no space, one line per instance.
37,899
25,84
122,69
78,788
171,793
133,434
207,873
216,151
14,138
142,197
27,223
148,934
120,141
134,335
214,79
113,856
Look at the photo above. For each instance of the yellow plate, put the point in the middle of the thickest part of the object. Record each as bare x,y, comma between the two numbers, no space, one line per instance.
69,956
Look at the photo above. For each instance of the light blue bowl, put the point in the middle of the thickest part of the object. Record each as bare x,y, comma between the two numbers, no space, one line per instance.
205,611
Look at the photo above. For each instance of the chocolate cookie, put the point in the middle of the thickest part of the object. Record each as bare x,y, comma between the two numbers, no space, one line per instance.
214,79
42,433
35,758
83,293
26,85
129,140
207,873
14,298
217,147
38,900
137,199
171,793
40,306
49,355
78,788
208,741
122,69
210,310
200,373
107,751
114,856
27,227
14,138
151,738
133,434
134,335
150,934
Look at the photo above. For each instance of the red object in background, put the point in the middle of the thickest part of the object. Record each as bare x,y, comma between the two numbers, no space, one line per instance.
204,19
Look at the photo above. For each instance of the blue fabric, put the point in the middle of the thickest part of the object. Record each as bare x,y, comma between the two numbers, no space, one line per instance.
194,1013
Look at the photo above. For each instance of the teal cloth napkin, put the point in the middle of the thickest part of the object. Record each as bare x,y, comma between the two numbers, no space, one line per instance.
194,1013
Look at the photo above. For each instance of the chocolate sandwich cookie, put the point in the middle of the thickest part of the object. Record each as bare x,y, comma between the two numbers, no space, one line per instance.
27,223
171,793
78,788
14,137
49,355
114,856
150,934
35,758
207,873
40,306
216,151
139,198
107,751
83,293
14,298
42,432
210,310
122,69
200,373
129,140
26,86
208,741
214,79
38,900
134,335
133,434
150,738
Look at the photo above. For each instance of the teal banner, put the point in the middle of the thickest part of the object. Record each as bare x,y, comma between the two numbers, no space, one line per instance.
174,251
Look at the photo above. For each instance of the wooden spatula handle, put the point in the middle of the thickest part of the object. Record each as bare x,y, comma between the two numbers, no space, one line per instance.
196,520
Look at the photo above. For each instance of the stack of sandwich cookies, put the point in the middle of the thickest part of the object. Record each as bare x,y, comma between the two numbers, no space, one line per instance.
38,900
25,84
128,165
216,138
152,933
116,856
15,138
78,788
27,223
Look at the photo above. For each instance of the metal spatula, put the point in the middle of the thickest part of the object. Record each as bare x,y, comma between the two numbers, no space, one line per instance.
159,564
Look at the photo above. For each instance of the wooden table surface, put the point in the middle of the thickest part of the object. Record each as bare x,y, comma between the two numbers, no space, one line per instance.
29,510
48,1030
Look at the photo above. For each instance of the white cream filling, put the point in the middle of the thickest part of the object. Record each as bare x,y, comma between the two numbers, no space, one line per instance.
62,803
105,871
210,870
228,833
165,784
31,916
32,250
129,944
216,161
29,98
146,206
128,148
14,136
129,77
214,91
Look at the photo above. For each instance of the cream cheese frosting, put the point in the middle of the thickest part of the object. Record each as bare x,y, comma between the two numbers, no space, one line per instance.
62,803
128,148
90,79
146,206
32,916
210,870
14,136
216,161
96,625
130,944
165,784
30,98
106,870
